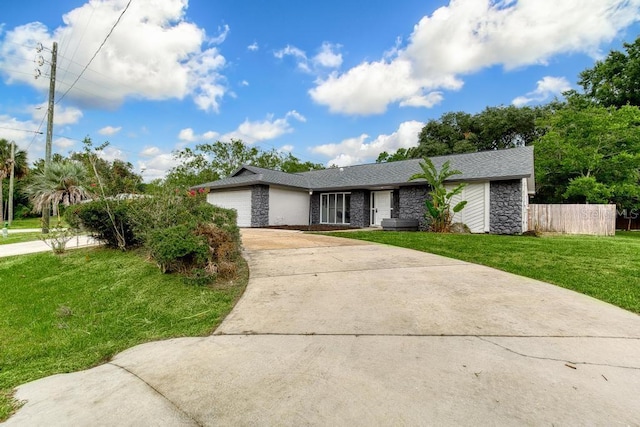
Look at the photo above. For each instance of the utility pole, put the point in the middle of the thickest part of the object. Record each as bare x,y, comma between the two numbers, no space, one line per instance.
47,157
11,176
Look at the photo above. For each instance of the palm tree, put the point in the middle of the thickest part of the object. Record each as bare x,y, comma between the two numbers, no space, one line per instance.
439,206
61,182
19,170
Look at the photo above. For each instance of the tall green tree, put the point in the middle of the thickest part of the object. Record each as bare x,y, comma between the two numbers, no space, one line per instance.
19,169
62,182
212,161
116,177
400,154
589,154
494,128
453,132
439,209
508,127
614,81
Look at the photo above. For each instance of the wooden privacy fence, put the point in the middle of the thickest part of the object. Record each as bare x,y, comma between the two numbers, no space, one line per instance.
598,220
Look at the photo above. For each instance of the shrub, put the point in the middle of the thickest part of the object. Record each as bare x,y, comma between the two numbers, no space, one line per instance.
181,232
94,218
177,248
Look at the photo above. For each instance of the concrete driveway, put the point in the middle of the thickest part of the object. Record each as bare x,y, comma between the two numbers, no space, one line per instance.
339,332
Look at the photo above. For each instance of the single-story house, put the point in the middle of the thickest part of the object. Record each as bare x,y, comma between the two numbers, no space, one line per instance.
497,192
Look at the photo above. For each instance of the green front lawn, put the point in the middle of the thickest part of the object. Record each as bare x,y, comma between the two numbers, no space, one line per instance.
602,267
29,223
70,312
19,238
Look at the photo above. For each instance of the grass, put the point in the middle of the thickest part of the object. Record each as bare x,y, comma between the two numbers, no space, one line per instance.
29,223
605,268
19,238
74,311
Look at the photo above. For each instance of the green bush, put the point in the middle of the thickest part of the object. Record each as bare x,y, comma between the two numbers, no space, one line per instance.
177,248
94,218
180,231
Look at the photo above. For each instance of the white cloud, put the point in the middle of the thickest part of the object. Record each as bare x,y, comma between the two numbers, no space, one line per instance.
154,54
369,87
270,128
223,32
20,131
244,83
63,143
546,88
157,166
327,57
188,135
253,47
299,55
150,151
287,148
210,135
357,150
66,115
61,115
111,153
109,130
466,36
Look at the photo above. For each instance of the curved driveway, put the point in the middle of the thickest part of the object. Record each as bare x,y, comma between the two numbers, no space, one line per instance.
339,332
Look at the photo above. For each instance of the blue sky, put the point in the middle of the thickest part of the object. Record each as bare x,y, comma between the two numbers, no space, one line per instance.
334,82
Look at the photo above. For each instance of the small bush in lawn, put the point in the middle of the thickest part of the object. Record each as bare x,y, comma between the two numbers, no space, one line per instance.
177,248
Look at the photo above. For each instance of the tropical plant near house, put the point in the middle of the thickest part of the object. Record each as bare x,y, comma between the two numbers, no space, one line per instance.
439,210
19,170
61,182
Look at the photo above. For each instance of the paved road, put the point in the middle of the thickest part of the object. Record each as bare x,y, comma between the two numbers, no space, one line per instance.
339,332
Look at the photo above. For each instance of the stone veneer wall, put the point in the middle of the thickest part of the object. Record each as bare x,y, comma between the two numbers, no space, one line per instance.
506,207
315,208
411,204
260,206
360,211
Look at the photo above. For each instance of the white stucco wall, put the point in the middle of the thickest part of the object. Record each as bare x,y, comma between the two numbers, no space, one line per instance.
288,207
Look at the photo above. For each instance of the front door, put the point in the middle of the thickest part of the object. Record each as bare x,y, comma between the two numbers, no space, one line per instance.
380,206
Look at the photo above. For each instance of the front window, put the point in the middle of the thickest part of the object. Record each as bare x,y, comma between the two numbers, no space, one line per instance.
335,208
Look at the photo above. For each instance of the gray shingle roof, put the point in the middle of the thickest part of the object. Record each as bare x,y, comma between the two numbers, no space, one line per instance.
487,165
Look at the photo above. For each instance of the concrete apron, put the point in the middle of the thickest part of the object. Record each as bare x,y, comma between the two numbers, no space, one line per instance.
334,331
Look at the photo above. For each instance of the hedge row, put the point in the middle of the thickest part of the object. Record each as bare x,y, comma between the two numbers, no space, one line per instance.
181,232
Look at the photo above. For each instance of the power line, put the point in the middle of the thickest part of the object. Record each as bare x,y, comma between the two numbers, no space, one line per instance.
96,53
22,130
38,133
79,41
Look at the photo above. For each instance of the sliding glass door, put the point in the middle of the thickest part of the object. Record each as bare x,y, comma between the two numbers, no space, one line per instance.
335,208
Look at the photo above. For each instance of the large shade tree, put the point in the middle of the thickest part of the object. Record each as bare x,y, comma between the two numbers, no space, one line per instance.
494,128
212,161
614,81
590,154
62,182
19,169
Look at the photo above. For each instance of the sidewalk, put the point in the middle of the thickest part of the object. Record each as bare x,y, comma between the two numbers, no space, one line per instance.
40,246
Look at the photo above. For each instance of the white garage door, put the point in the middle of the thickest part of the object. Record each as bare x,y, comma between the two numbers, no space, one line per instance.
476,212
240,200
